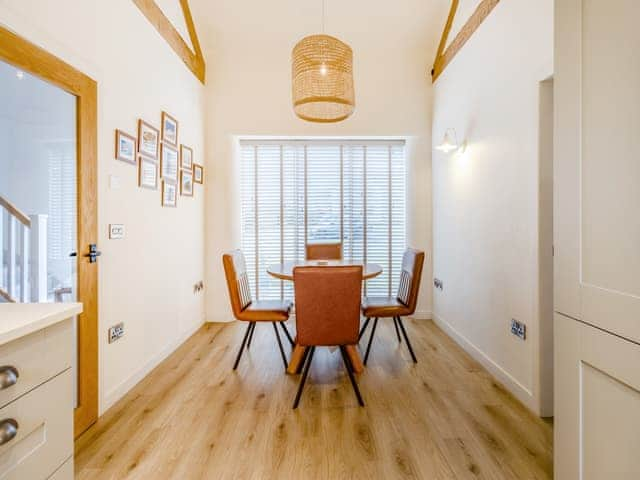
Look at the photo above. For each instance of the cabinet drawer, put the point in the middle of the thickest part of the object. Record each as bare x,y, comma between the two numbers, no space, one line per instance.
65,472
36,358
44,438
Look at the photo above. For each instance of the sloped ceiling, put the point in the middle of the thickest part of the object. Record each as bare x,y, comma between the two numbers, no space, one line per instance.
173,11
464,12
401,23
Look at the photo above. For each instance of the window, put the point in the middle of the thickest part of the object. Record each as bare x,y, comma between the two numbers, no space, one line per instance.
300,191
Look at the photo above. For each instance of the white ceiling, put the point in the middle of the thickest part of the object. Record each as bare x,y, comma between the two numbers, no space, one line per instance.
400,23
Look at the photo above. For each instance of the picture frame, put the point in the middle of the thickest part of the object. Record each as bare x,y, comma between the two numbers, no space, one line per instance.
169,194
148,140
126,149
186,183
147,173
198,173
186,158
169,163
169,129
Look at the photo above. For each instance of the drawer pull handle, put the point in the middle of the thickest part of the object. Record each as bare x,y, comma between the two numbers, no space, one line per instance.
8,376
8,430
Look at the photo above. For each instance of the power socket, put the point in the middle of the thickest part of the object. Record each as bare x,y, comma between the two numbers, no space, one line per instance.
519,329
116,332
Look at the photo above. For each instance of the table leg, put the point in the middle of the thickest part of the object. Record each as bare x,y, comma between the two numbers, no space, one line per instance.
298,355
355,358
296,358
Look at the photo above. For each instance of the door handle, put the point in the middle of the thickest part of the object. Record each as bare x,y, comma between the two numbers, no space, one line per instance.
93,253
8,376
8,430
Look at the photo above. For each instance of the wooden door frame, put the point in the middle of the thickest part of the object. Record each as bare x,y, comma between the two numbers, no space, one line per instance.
32,59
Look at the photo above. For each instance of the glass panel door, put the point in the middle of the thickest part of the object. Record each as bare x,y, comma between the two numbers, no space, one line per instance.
38,191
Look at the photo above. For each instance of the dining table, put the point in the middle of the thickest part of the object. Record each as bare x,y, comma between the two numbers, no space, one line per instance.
284,271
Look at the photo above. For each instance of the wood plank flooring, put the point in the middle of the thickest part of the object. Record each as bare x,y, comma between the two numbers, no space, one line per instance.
195,418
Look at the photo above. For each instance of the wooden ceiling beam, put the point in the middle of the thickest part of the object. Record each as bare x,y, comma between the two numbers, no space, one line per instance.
193,59
445,55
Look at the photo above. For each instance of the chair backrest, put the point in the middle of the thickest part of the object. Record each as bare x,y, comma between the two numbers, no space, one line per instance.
410,276
235,269
328,304
324,251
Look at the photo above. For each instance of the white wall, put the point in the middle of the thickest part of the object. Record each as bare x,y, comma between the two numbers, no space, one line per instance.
485,203
249,93
146,280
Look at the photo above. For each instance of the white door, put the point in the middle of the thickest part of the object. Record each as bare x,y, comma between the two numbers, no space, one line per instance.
598,163
597,412
597,235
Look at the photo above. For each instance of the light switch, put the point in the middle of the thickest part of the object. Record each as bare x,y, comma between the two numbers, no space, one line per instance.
116,231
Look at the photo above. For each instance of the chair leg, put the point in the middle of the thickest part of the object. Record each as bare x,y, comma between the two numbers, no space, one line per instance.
406,338
304,376
364,328
349,367
395,324
373,332
304,359
286,332
284,357
244,341
253,327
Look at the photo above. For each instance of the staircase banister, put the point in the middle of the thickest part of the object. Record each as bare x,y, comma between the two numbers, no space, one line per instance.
4,294
15,211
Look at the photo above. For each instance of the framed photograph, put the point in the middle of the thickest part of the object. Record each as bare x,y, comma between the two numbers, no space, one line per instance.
148,140
125,147
169,163
186,157
147,173
169,129
198,173
169,194
186,183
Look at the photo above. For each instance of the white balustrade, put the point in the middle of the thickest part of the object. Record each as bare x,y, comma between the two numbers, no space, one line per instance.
23,251
38,257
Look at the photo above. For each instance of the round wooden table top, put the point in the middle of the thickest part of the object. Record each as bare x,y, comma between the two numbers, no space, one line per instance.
284,271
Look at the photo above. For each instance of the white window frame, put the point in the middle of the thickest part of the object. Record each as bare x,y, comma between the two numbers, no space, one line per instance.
305,142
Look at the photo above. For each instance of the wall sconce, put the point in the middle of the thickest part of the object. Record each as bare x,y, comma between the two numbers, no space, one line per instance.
450,142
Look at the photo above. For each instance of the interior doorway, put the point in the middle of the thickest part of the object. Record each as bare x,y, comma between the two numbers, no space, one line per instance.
48,198
545,247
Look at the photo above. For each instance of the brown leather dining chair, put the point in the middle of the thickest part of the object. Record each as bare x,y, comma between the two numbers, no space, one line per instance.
327,314
324,251
253,311
403,304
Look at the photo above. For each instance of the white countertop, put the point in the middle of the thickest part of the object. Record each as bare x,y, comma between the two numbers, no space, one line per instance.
20,319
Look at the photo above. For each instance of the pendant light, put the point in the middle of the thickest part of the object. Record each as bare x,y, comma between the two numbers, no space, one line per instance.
322,78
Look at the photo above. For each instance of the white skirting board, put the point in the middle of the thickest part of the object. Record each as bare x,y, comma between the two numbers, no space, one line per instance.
422,315
516,388
121,390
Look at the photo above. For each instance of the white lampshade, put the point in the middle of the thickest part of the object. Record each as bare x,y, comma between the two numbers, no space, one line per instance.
449,142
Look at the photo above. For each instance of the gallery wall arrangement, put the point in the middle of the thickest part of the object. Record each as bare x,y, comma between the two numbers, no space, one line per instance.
160,159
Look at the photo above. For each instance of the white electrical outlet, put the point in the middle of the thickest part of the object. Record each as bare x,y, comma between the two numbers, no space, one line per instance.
116,231
519,329
116,332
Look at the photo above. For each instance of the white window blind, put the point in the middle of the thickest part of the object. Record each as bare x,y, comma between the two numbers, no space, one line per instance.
294,192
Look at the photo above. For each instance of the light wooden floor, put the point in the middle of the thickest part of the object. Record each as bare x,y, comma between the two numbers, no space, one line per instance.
193,417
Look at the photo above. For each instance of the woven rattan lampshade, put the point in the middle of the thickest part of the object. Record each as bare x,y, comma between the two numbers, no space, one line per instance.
322,75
